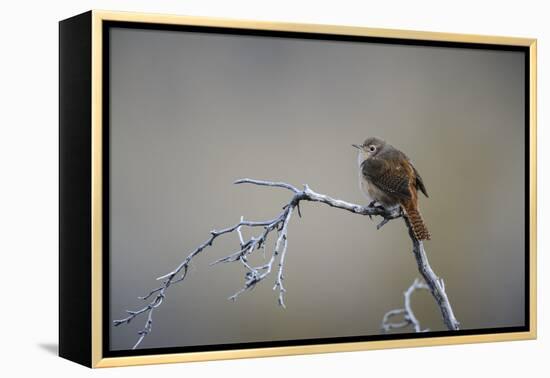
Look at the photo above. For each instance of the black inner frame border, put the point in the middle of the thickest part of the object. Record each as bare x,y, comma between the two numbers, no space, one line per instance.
107,323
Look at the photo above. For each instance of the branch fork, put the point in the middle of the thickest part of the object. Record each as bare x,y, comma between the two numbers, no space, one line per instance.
409,319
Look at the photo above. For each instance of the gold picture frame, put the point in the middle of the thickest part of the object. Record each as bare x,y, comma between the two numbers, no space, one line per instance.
81,330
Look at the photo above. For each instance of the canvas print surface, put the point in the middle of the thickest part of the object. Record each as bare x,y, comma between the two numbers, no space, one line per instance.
190,113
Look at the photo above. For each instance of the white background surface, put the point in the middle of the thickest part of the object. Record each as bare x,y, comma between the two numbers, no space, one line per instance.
29,189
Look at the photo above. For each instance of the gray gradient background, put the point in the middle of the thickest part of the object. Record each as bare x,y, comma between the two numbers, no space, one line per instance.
190,113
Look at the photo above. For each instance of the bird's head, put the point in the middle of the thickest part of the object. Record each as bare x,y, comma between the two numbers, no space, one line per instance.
370,147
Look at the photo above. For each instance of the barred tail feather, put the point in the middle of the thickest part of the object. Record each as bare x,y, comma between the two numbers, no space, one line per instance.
417,223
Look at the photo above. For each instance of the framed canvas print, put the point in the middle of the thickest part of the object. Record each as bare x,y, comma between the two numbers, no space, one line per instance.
236,189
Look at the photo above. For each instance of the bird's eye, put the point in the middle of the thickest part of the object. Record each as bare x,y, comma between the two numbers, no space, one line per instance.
372,148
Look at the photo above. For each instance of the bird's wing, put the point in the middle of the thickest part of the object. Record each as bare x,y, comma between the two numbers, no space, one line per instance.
391,176
419,182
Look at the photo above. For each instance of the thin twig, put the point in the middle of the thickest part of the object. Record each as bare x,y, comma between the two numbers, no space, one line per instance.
407,312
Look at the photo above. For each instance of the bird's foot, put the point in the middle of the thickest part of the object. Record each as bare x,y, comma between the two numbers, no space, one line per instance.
372,204
376,205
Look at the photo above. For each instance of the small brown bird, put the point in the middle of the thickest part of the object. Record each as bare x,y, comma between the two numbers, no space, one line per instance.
387,176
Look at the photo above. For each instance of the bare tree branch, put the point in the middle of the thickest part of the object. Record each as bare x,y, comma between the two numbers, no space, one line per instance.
279,226
407,313
436,284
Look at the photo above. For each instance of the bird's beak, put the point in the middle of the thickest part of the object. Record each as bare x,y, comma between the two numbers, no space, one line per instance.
356,146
